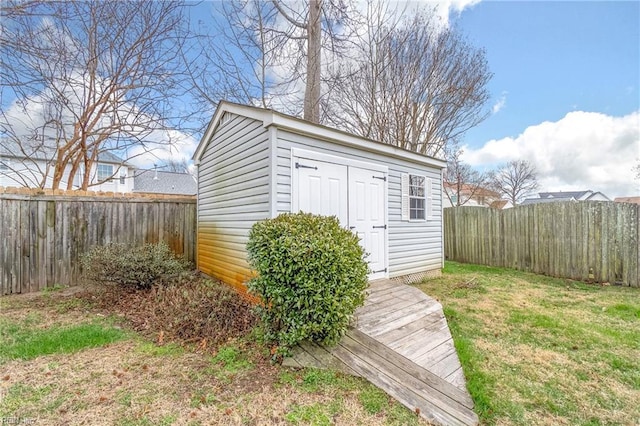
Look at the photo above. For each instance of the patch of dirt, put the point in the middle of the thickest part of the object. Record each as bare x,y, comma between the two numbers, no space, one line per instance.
105,385
44,309
109,385
136,382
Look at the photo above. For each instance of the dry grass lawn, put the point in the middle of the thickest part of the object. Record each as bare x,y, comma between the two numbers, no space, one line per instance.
133,381
544,351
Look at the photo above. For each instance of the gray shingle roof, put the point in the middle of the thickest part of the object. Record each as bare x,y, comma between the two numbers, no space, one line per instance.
565,195
544,200
158,182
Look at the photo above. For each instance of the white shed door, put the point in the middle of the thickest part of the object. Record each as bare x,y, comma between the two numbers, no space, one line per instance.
355,195
367,216
322,189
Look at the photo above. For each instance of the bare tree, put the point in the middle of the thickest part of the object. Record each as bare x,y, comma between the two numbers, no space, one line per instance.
515,180
417,85
264,52
636,170
175,166
87,79
461,182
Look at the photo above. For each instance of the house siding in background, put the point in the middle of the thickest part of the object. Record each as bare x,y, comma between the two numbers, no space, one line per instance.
21,172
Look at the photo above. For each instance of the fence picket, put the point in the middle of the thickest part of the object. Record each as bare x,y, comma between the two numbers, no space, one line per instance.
558,239
44,235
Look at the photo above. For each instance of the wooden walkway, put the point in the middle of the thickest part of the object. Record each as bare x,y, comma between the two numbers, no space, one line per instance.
401,343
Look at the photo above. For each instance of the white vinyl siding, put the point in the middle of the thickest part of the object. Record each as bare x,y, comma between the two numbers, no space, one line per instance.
233,194
414,246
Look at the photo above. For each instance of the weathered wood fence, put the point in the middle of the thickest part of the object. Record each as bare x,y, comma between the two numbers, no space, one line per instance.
43,236
588,241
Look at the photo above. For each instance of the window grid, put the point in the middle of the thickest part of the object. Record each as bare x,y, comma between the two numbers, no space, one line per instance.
417,197
105,172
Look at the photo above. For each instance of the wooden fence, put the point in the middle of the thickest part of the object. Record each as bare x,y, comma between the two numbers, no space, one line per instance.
588,241
43,236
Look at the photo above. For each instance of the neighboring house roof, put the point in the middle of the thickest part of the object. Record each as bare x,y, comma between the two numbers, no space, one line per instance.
575,195
545,200
279,120
634,200
156,182
11,149
595,194
468,189
108,157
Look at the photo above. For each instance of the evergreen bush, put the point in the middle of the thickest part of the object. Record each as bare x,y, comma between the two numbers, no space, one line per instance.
311,277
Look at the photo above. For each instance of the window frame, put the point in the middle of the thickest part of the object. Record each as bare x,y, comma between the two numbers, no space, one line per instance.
99,174
423,197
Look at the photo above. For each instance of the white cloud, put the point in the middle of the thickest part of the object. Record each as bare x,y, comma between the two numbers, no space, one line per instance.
173,145
500,103
583,150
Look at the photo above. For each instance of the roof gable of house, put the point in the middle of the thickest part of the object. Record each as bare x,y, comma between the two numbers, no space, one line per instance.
566,195
279,120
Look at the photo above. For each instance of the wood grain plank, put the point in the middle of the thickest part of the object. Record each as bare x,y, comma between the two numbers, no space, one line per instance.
408,329
398,319
377,309
417,379
409,396
326,358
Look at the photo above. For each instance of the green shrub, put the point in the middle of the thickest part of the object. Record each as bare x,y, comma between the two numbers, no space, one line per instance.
311,277
131,267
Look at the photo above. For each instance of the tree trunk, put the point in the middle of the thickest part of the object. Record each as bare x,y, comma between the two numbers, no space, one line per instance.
314,40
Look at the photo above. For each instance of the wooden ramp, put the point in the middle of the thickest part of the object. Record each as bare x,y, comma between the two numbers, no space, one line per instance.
401,343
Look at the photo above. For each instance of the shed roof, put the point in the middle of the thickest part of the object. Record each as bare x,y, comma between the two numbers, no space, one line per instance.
156,182
279,120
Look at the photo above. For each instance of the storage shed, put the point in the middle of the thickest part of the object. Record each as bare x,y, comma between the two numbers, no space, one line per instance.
255,163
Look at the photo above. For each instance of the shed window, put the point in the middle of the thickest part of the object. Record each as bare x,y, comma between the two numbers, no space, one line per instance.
105,172
417,197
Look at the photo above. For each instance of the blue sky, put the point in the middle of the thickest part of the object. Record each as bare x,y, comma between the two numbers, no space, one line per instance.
550,58
565,90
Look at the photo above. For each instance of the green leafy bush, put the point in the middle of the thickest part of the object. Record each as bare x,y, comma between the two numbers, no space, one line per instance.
131,267
311,277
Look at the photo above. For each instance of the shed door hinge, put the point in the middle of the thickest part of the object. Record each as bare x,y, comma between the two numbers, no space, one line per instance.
384,178
302,166
381,270
380,227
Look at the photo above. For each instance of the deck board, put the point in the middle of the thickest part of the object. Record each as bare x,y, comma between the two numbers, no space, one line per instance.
400,342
